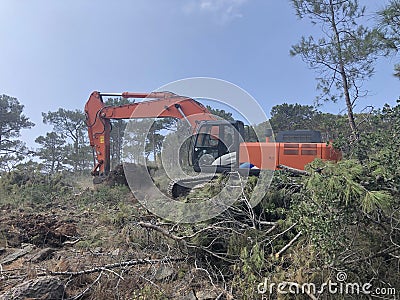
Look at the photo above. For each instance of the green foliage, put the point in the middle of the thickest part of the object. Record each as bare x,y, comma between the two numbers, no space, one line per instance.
12,121
277,201
28,185
70,124
344,55
344,42
292,116
389,23
247,273
296,116
382,143
332,203
221,113
143,139
104,195
124,214
148,292
52,151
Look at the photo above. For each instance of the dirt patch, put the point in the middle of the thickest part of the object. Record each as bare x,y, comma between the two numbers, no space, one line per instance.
42,230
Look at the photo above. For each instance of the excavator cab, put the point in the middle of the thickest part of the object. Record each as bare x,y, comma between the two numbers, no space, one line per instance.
216,145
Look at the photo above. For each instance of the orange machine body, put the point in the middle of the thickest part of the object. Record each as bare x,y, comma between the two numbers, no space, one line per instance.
294,155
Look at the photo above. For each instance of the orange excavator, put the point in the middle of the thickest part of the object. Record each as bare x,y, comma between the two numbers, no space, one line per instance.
216,145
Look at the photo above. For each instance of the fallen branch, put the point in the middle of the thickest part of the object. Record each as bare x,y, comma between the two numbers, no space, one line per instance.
71,242
283,232
378,254
288,245
113,266
181,239
271,229
161,230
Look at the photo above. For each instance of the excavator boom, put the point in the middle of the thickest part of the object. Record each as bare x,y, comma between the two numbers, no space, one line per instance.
156,105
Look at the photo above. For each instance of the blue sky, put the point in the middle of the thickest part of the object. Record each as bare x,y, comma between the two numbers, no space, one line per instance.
55,53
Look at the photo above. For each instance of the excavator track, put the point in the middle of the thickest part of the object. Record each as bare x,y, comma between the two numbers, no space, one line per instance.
181,187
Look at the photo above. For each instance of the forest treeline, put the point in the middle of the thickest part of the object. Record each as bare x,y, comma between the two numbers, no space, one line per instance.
66,147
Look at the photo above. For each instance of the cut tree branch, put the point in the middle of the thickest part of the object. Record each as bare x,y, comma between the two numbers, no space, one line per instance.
113,266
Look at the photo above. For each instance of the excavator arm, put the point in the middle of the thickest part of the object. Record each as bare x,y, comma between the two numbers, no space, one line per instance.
156,105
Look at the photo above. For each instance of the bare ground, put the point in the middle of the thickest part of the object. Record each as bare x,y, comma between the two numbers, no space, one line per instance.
96,250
